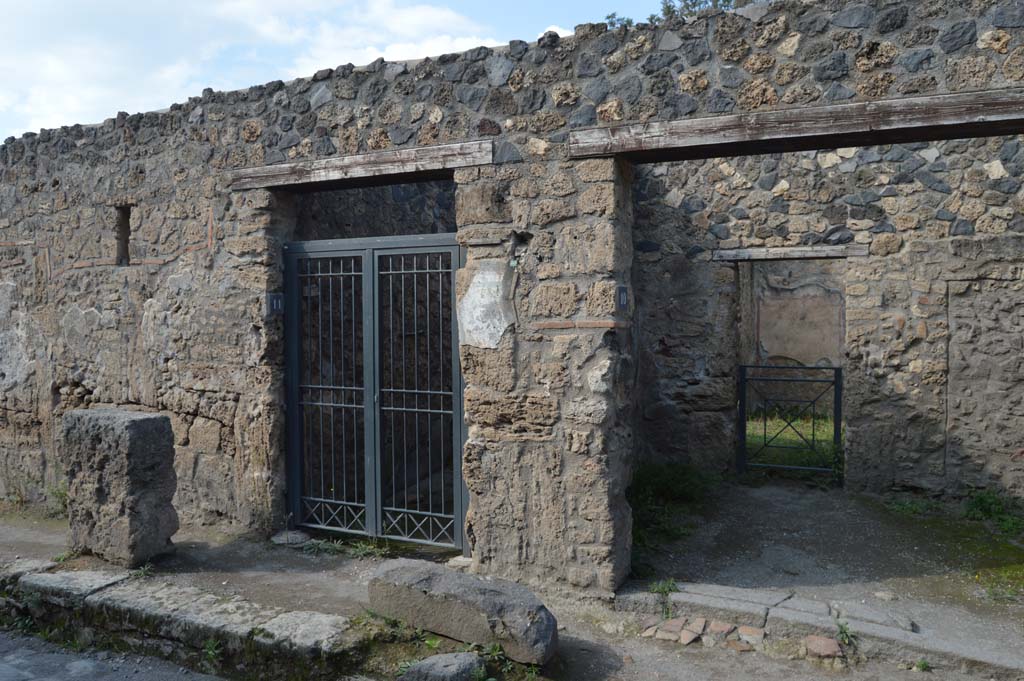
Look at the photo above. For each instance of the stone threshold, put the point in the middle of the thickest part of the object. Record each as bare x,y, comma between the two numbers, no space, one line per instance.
880,634
223,635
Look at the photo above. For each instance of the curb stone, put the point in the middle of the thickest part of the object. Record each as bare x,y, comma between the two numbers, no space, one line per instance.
183,623
897,638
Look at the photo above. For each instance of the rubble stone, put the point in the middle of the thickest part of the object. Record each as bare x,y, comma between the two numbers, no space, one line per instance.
121,482
820,646
448,667
465,607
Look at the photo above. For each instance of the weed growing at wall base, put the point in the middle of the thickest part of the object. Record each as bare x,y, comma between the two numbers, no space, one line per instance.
1005,514
661,496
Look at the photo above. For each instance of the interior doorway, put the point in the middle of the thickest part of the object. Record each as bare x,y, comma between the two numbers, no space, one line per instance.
790,376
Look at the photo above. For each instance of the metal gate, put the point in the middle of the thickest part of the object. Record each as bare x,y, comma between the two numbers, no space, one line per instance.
790,418
375,428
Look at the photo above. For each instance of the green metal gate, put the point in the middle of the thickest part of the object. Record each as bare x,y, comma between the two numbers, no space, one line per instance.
374,409
790,418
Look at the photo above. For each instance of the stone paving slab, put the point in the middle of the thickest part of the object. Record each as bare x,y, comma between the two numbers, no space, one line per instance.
713,607
181,612
783,622
184,618
307,632
14,571
144,599
233,619
693,605
807,605
867,613
766,597
69,589
876,640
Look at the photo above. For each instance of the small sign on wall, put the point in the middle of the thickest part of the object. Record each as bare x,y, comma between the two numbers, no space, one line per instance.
275,304
622,299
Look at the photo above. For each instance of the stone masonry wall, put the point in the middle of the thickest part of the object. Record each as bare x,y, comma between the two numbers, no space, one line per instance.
547,370
409,208
184,330
934,215
687,329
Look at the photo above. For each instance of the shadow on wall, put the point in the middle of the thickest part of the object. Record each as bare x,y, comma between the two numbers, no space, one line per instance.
698,320
686,333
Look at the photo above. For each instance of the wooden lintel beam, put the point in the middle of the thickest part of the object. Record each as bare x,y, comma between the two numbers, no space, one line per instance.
790,253
965,114
395,163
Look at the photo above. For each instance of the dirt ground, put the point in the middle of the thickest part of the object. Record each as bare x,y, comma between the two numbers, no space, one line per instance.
596,644
829,545
826,543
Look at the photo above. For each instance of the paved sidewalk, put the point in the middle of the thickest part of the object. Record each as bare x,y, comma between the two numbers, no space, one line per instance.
596,643
24,658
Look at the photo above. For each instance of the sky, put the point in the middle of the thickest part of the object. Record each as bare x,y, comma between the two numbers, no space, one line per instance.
82,61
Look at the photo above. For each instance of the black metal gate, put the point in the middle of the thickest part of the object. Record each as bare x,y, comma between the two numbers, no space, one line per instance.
375,428
791,418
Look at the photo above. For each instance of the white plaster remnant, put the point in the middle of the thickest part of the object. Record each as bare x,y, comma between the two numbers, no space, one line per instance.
485,311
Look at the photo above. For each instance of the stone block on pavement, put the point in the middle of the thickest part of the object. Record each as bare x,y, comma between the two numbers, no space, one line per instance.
466,608
292,538
121,480
449,667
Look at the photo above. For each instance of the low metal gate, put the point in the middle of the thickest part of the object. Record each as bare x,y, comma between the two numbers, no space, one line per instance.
375,428
790,418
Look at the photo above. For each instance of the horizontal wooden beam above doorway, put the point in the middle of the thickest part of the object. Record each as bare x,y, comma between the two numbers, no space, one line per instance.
790,253
914,119
391,165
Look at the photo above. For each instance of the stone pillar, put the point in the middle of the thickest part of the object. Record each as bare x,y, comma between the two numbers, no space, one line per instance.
120,483
544,315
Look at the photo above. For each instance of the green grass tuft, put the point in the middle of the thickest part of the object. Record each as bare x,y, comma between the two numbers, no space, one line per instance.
662,496
1005,514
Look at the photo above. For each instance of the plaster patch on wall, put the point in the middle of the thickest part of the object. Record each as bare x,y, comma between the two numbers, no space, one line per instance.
485,310
8,290
15,362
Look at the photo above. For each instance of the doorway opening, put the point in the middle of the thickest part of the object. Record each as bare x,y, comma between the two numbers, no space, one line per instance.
375,419
790,377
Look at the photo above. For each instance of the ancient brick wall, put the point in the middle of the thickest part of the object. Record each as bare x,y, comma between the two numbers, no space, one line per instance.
184,328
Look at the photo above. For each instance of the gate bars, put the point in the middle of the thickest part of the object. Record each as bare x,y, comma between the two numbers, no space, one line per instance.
781,398
374,388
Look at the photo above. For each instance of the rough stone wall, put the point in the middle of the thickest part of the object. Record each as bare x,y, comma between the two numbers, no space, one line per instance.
687,331
547,370
184,328
181,330
412,208
931,213
986,381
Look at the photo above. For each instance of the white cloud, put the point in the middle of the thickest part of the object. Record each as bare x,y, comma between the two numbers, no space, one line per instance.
372,30
564,32
121,55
